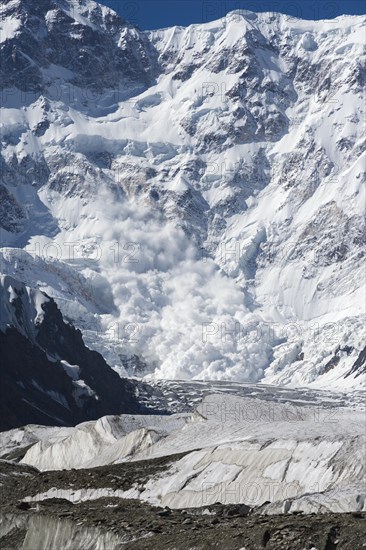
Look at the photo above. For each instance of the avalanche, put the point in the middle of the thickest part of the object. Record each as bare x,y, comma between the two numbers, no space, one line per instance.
199,203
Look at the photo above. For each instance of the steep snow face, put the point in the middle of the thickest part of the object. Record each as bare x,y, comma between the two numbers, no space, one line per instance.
286,455
203,213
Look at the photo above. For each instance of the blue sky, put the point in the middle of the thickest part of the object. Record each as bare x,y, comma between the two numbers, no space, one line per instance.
153,14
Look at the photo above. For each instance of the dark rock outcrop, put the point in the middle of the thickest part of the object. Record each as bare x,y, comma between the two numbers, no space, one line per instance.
36,387
359,366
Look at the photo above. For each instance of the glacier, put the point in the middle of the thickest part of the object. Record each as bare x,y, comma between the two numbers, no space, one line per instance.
278,455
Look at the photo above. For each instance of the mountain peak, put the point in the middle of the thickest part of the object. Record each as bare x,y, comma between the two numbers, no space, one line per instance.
40,40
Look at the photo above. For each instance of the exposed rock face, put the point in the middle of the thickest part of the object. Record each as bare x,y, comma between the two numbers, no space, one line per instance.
47,374
83,40
12,214
359,366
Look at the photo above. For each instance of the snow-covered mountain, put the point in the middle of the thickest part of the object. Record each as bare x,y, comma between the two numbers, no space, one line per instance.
193,198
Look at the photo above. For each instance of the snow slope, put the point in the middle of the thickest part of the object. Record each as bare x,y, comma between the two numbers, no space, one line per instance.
196,199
